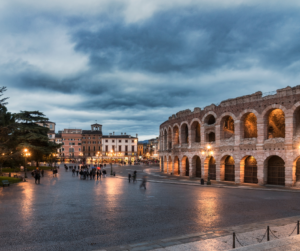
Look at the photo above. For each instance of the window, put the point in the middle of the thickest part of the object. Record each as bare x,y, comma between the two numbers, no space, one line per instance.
99,138
72,144
99,148
51,126
89,137
89,142
99,142
79,144
83,142
94,148
120,148
120,141
106,140
106,148
93,137
126,148
83,148
132,148
126,141
71,150
113,141
83,137
113,147
89,148
50,135
62,143
79,149
132,141
63,149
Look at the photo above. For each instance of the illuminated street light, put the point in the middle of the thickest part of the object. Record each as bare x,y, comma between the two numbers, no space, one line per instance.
26,154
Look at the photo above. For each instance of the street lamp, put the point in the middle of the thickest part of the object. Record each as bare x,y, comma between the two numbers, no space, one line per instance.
111,169
209,153
26,154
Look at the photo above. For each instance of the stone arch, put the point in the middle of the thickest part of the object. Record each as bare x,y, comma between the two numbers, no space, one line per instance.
185,166
296,171
170,165
274,121
169,138
176,134
227,168
227,126
248,124
196,166
184,133
176,166
248,169
209,118
195,131
210,136
274,169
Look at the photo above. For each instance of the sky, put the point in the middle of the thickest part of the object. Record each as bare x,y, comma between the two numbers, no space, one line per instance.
129,65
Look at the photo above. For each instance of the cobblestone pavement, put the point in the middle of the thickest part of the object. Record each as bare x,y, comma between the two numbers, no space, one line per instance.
66,213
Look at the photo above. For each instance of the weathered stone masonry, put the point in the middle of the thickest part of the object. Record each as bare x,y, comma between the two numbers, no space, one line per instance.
254,139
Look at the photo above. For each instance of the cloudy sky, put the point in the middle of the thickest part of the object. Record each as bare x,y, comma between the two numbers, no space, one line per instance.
131,64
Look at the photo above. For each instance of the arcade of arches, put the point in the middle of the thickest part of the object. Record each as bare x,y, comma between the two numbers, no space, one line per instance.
255,139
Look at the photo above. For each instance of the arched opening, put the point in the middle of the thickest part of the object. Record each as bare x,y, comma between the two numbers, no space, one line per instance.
176,166
249,126
195,132
229,169
212,170
184,134
276,171
227,127
196,162
296,122
170,165
185,166
169,138
165,139
210,119
211,137
165,164
298,170
276,124
250,171
175,135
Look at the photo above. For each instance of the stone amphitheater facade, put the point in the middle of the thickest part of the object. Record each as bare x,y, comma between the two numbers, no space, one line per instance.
253,139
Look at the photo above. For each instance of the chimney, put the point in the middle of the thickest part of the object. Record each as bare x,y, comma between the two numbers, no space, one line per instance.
121,133
124,133
136,135
113,133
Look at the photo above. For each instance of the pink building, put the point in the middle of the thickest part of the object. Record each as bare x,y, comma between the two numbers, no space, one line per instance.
71,140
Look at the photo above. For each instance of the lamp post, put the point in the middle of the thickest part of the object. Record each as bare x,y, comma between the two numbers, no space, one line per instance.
111,169
26,154
209,153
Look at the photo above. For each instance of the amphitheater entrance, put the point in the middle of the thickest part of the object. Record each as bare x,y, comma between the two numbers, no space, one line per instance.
250,170
196,163
176,166
298,170
276,171
229,169
212,168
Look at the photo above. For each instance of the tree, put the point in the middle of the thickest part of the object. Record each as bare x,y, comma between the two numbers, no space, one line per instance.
33,136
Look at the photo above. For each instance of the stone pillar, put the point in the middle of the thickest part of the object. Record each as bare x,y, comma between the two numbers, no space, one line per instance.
217,133
192,167
204,168
261,171
190,136
290,172
289,131
173,167
239,169
260,133
202,134
218,170
221,167
237,132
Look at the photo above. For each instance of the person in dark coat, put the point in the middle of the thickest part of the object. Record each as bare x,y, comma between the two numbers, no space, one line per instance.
37,176
143,184
42,172
129,177
134,176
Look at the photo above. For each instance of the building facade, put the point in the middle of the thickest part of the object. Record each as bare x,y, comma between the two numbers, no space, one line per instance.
72,144
91,141
140,150
249,139
51,126
119,147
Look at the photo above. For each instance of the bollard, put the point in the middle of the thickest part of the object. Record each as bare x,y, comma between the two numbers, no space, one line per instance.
268,233
233,240
297,227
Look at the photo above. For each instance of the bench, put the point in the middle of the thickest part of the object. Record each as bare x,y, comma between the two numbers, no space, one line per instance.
5,183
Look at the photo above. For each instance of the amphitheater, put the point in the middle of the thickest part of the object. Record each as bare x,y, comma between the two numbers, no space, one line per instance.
249,139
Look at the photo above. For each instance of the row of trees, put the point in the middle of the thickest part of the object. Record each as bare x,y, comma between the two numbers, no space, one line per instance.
19,131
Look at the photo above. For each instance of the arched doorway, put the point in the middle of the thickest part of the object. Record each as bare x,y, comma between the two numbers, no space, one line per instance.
169,143
276,171
196,164
298,170
276,124
250,170
227,127
210,120
195,132
170,165
175,135
176,166
187,167
212,168
229,169
249,126
211,137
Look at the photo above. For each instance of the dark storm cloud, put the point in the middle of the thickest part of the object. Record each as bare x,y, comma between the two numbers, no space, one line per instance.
185,40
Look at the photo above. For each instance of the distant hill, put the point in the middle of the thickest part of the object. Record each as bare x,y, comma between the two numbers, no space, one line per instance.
144,142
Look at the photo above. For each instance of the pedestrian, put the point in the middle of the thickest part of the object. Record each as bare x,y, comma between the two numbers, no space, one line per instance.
104,173
143,184
94,173
42,172
100,174
134,176
77,173
97,174
129,177
37,176
91,174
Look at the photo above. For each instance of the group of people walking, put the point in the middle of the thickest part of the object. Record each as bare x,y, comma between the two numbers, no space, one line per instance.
133,177
37,174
